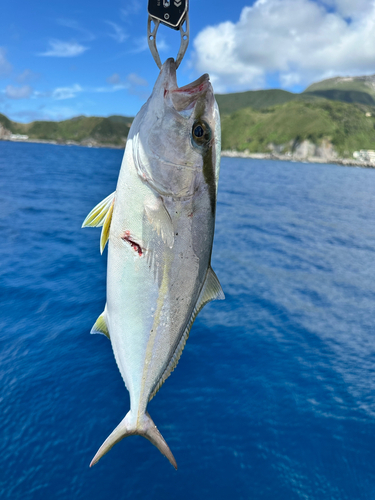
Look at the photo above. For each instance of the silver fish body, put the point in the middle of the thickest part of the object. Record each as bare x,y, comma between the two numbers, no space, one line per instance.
160,226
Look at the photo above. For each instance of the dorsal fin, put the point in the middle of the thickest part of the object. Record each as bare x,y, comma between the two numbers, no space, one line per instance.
98,214
100,325
211,290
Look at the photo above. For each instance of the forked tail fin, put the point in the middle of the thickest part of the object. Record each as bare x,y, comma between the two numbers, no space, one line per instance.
143,426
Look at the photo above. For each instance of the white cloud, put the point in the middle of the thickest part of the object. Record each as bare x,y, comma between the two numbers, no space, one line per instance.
118,33
135,79
64,49
66,92
113,88
5,66
350,8
114,79
133,7
27,76
141,45
133,83
29,115
61,113
299,41
137,86
23,92
54,113
75,25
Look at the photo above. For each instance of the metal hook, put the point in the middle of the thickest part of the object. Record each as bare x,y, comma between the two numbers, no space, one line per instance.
185,35
151,38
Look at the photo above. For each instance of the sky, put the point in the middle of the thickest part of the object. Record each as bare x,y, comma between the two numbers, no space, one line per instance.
64,59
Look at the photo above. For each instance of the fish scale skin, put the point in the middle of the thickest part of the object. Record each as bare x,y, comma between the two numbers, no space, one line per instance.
146,316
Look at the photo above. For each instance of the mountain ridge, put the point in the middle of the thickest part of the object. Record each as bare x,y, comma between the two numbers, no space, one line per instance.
112,130
356,83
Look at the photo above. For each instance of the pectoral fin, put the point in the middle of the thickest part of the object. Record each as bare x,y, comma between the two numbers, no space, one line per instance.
106,227
160,220
98,214
100,325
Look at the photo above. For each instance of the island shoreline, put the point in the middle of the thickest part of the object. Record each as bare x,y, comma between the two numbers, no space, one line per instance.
346,162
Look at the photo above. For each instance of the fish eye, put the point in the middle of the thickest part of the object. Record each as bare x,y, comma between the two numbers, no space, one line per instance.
198,131
201,132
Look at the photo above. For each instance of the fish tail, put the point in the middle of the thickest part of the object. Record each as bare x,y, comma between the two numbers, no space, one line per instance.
143,426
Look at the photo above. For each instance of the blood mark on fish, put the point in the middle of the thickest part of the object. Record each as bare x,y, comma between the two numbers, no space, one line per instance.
135,246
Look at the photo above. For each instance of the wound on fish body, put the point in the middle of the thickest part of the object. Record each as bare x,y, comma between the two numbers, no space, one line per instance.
132,243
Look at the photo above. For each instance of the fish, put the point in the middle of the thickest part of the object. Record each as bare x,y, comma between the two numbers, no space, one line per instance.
159,225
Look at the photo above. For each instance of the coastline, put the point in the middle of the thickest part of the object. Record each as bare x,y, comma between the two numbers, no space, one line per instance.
347,162
83,144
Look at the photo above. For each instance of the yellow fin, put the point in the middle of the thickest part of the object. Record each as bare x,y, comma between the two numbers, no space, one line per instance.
106,227
100,326
211,290
98,214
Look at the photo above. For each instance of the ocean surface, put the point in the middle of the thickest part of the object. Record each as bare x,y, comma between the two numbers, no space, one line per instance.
274,396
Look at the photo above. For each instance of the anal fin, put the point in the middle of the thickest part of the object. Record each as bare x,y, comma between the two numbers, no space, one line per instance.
100,325
211,290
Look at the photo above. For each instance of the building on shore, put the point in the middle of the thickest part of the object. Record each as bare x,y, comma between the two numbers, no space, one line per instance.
18,137
366,155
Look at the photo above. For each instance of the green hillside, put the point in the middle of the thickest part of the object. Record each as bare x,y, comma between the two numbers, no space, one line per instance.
365,84
346,126
359,89
343,96
256,99
112,130
351,90
121,119
102,130
9,125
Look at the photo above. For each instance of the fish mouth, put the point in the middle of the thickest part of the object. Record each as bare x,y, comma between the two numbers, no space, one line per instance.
184,98
197,87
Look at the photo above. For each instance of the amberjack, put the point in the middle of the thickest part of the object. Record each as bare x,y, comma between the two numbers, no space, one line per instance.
160,227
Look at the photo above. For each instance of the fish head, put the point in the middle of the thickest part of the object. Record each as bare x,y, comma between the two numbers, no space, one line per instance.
176,142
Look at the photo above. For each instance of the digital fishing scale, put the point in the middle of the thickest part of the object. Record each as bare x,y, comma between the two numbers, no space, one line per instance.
175,15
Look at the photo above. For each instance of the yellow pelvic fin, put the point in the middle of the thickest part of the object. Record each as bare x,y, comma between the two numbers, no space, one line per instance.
98,214
100,326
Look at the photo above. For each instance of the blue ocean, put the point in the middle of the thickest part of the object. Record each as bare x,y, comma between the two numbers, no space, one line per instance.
274,395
